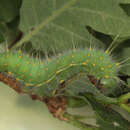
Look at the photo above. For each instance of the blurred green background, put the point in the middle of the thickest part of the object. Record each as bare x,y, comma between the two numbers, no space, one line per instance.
20,112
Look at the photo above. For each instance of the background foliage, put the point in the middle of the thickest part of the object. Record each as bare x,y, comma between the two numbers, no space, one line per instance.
48,27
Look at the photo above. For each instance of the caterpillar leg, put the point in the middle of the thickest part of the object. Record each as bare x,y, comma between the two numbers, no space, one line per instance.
10,81
56,106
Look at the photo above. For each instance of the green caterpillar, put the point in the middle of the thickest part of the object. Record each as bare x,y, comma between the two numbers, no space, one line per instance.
43,77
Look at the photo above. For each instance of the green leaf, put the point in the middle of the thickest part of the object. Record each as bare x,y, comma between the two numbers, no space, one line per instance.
110,85
108,119
9,19
128,80
125,1
126,8
49,28
1,38
10,30
9,9
83,86
123,52
126,66
57,32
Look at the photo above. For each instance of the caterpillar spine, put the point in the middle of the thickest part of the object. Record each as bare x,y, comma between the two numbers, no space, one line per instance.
45,78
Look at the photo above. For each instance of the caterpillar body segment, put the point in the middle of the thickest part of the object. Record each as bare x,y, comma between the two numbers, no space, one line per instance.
44,77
